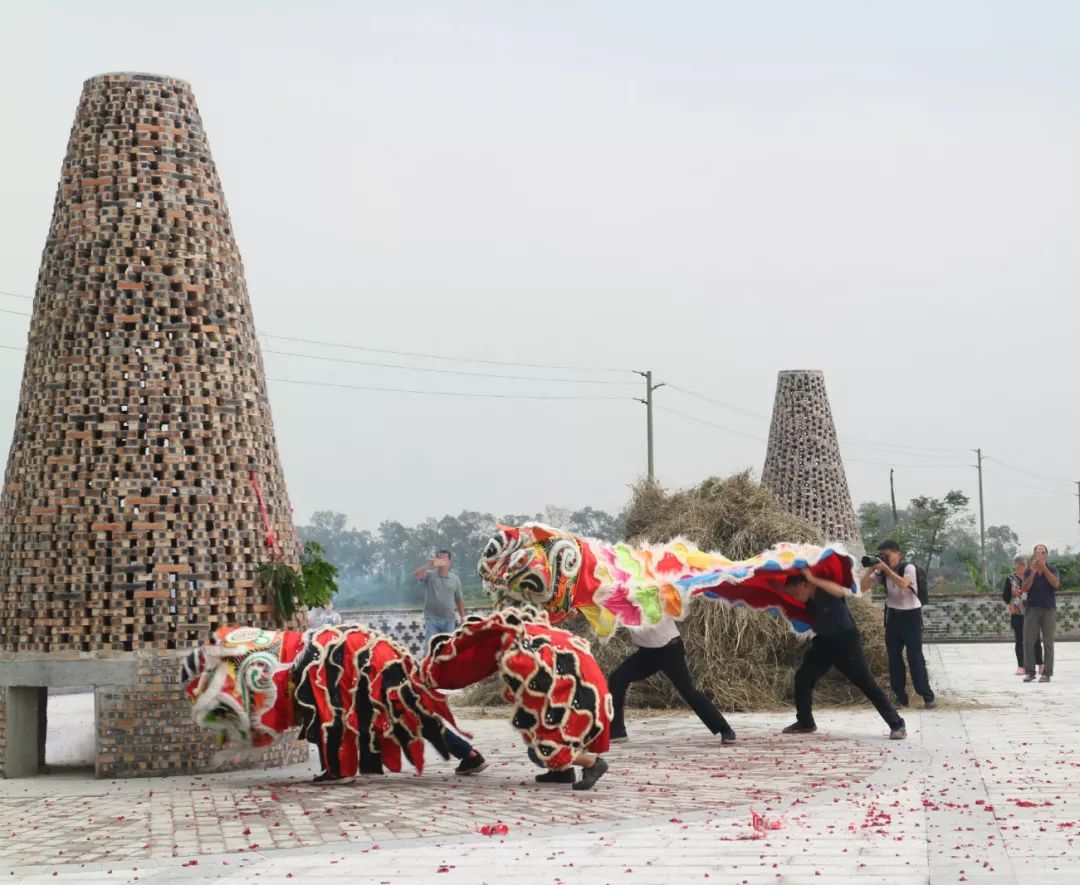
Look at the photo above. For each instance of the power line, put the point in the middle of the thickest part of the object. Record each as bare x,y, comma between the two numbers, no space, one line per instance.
335,359
708,423
1026,485
717,402
1029,472
888,448
21,313
434,356
18,295
762,439
415,354
592,399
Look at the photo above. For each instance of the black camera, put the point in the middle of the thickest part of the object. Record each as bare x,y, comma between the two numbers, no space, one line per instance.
870,561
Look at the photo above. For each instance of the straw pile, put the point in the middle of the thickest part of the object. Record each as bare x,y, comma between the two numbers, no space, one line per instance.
744,659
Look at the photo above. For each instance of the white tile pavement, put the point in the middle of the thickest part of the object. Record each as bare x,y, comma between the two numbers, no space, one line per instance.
981,794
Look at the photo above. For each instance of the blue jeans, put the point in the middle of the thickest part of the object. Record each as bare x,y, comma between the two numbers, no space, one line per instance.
435,626
457,745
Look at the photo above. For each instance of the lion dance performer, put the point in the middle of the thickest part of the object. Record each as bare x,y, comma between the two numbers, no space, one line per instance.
353,692
615,585
561,703
648,589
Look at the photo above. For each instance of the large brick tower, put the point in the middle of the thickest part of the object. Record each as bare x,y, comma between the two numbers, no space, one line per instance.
131,521
803,467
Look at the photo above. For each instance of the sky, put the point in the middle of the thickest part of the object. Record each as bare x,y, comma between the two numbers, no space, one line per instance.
713,191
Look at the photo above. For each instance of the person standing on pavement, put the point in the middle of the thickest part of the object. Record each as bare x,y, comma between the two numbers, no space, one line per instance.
903,622
661,649
444,607
1013,595
836,643
1041,582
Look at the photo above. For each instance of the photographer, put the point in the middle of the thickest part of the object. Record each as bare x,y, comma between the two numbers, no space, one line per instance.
903,620
1040,584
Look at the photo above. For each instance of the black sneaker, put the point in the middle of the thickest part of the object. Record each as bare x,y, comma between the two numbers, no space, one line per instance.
727,735
618,738
589,776
799,728
1044,678
930,704
899,701
567,776
1030,677
330,780
474,763
899,733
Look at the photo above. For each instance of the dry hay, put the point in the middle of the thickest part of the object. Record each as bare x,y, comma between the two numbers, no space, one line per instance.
743,659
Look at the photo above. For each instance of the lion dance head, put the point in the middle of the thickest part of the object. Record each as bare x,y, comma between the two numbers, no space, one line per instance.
238,684
533,564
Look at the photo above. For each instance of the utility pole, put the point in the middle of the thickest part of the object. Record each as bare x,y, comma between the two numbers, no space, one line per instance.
892,496
1078,495
982,519
648,403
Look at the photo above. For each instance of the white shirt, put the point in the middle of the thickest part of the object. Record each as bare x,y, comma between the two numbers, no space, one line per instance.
654,637
899,597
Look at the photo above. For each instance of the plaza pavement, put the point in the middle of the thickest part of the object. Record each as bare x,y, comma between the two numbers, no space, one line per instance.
985,790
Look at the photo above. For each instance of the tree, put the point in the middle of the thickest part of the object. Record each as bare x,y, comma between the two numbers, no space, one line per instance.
590,523
1002,546
876,523
928,522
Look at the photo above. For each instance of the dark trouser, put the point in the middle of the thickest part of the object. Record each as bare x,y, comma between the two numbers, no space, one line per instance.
903,630
845,652
457,745
1017,622
671,659
1039,620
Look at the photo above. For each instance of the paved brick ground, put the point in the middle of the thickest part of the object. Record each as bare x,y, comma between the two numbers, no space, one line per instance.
979,794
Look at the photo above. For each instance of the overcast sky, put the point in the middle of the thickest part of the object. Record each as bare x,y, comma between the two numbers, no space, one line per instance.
714,191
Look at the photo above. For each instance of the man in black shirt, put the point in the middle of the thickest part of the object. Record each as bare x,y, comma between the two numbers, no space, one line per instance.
836,643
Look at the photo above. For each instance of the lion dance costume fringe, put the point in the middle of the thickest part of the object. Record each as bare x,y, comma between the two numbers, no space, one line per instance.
366,703
621,584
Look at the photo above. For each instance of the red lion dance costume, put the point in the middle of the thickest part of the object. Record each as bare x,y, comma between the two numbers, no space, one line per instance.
560,697
352,691
364,702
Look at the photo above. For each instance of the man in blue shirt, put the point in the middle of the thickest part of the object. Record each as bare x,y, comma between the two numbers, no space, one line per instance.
1041,582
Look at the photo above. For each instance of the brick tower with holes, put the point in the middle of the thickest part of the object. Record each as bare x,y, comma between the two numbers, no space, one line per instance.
803,467
143,488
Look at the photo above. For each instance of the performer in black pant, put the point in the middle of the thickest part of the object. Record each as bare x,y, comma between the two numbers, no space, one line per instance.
836,643
660,648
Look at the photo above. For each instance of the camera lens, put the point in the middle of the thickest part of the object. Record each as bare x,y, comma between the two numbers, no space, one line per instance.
868,561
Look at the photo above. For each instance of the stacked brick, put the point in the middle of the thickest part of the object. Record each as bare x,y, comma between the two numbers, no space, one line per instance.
803,467
129,521
128,517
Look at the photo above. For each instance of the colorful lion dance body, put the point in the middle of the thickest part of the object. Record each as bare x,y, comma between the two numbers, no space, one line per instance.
636,586
562,706
353,692
365,703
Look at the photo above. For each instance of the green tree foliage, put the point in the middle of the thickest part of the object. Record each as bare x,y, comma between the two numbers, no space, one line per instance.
376,568
942,532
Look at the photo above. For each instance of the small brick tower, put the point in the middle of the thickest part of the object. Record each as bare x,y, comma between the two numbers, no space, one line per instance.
130,521
803,467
